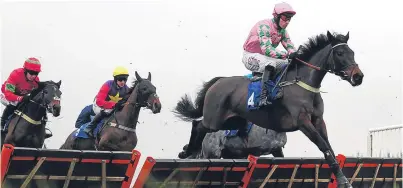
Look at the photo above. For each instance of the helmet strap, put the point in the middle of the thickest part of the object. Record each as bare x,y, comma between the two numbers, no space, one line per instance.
26,75
277,21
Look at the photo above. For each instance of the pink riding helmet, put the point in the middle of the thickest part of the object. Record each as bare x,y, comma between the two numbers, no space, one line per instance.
281,8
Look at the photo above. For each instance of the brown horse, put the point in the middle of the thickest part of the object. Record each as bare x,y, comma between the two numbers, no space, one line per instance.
301,107
118,131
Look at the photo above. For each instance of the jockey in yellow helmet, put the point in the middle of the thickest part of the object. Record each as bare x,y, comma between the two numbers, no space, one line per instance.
109,96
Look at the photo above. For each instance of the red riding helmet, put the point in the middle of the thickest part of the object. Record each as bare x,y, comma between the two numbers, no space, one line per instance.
32,64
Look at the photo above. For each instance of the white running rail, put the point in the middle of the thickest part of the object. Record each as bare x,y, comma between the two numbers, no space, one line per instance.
385,141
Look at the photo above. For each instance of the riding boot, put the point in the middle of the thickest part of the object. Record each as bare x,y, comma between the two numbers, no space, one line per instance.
6,114
264,86
91,126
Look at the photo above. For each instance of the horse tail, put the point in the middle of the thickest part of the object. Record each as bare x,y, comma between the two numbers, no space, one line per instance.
186,110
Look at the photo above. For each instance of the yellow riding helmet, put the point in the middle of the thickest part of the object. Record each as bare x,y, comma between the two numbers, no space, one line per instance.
120,71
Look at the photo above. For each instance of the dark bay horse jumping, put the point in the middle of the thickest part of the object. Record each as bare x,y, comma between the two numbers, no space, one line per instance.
26,128
231,144
118,132
301,107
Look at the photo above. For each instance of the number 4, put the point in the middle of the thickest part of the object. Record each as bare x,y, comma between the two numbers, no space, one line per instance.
251,102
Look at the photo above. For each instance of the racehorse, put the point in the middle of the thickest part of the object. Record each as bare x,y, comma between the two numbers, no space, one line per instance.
231,144
26,127
300,108
118,131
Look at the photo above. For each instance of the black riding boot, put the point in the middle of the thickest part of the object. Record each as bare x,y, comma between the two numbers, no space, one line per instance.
265,91
6,113
91,126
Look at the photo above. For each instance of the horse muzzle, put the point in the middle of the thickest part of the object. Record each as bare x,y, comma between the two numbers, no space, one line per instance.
155,106
54,108
353,75
357,79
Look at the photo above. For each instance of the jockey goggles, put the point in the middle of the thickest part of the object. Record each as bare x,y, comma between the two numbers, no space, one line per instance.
286,17
121,78
31,72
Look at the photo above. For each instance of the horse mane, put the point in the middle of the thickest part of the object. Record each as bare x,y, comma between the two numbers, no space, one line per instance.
131,89
312,46
40,87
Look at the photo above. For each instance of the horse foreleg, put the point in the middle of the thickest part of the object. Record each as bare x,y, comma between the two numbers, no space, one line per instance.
310,131
320,126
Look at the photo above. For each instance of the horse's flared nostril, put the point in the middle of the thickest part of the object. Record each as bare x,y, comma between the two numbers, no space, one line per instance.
357,77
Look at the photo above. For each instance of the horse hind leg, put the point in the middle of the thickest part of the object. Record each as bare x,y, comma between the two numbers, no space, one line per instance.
184,154
277,152
196,144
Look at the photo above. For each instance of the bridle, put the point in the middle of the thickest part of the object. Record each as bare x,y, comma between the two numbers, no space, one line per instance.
333,70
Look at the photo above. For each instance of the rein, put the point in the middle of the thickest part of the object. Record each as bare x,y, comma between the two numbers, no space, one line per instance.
310,65
26,117
137,105
319,68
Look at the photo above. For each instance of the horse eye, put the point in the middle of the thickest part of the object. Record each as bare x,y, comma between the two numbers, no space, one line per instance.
339,53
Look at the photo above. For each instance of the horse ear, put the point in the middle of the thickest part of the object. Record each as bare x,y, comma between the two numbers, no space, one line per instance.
59,83
347,36
329,36
137,76
149,76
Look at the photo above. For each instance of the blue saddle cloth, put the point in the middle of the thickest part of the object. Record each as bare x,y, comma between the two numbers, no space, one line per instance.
254,90
80,131
232,133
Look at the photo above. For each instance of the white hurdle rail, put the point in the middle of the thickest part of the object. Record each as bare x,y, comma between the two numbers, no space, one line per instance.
385,141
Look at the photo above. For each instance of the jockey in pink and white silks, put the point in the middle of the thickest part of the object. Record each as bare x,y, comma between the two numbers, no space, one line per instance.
260,53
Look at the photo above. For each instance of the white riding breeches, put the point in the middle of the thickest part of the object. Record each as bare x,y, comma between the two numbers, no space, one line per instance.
256,62
98,109
5,102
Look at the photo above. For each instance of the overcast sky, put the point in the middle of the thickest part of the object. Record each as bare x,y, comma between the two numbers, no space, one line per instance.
183,43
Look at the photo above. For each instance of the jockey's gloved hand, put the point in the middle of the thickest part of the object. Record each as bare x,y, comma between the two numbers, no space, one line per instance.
119,105
292,55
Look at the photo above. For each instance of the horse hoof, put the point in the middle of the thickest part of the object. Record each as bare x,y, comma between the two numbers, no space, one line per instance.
182,155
